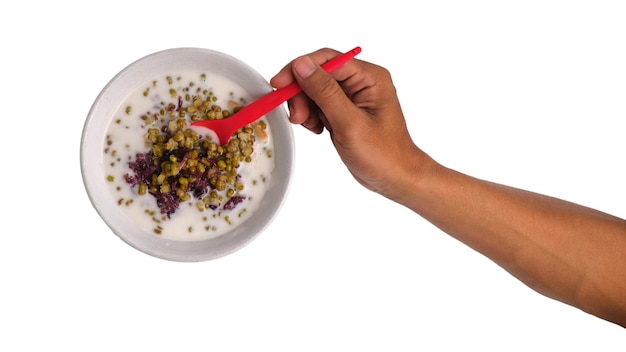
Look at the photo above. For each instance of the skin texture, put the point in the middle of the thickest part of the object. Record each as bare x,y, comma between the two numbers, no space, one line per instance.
565,251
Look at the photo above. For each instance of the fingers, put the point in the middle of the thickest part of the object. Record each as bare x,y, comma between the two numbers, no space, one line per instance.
323,89
301,109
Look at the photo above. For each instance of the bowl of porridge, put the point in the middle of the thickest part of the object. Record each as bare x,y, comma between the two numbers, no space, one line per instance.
170,190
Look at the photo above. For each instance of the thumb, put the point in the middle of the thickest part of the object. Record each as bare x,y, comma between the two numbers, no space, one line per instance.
324,90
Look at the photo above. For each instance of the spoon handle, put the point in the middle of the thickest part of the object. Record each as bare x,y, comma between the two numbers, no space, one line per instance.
270,101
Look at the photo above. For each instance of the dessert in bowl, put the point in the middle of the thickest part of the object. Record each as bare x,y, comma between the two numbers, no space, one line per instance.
169,189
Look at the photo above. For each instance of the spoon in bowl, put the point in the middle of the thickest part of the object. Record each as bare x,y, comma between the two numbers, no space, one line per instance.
223,129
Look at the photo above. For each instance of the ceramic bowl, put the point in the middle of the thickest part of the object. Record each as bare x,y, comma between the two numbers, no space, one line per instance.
110,104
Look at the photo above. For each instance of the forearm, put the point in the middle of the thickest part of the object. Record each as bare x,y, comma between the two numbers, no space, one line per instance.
565,251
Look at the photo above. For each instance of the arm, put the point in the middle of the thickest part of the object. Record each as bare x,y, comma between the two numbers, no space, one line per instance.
565,251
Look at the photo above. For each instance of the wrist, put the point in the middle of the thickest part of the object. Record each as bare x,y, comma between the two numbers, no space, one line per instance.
410,184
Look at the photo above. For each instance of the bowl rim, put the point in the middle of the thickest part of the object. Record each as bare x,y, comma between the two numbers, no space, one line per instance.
169,249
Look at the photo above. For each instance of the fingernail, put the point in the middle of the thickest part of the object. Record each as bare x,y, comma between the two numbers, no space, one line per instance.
304,67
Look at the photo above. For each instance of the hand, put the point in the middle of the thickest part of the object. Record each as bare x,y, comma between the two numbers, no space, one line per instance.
358,105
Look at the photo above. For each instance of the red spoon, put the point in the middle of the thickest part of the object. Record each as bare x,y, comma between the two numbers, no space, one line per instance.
223,129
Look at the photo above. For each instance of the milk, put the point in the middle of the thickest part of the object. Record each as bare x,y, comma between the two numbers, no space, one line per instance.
125,138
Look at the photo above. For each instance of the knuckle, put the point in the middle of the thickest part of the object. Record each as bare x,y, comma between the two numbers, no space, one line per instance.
328,89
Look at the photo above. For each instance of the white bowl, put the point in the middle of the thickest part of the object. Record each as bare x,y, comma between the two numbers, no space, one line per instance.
108,103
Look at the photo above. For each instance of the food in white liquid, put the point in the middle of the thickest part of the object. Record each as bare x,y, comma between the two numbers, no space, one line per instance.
151,131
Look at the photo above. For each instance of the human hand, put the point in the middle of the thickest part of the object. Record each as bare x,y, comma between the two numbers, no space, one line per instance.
357,103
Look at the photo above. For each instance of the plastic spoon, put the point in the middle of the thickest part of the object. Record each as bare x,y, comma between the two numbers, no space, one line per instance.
223,129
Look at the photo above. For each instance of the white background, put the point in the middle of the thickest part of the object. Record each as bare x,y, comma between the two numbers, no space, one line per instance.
527,93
